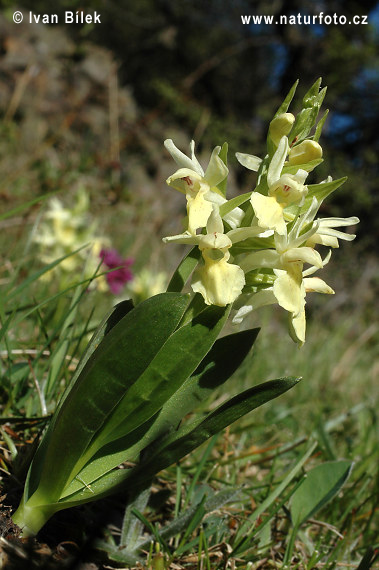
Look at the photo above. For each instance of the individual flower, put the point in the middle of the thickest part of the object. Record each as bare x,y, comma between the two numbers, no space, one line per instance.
200,187
121,273
216,279
291,281
283,190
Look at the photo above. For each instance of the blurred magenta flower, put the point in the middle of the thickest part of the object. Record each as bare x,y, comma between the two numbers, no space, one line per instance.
122,273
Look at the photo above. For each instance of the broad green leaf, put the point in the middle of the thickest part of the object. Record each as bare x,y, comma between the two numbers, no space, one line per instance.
110,320
189,437
180,443
215,369
319,486
184,270
117,363
173,364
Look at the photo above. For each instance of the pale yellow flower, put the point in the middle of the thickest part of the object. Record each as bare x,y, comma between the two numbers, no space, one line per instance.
200,187
292,282
283,190
217,280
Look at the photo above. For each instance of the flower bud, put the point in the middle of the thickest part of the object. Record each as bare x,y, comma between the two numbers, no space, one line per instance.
280,126
305,152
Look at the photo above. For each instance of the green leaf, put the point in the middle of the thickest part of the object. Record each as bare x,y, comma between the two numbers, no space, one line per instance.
180,443
287,101
110,320
244,532
189,437
224,157
319,486
173,364
215,369
308,166
306,119
320,126
234,203
184,270
25,206
116,364
129,421
320,191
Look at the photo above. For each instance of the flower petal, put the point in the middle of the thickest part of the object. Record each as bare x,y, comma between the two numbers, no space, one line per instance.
198,209
304,152
277,162
195,162
219,282
297,327
338,222
184,180
268,212
214,224
289,292
185,238
303,254
249,161
181,159
217,170
317,285
264,258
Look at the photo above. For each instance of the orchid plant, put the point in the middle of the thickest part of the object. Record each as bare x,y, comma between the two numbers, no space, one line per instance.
132,407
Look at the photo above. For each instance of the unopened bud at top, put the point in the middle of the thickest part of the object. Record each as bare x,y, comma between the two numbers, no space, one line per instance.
305,152
280,126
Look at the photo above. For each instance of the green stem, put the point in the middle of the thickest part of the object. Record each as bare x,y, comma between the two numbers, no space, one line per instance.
31,518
